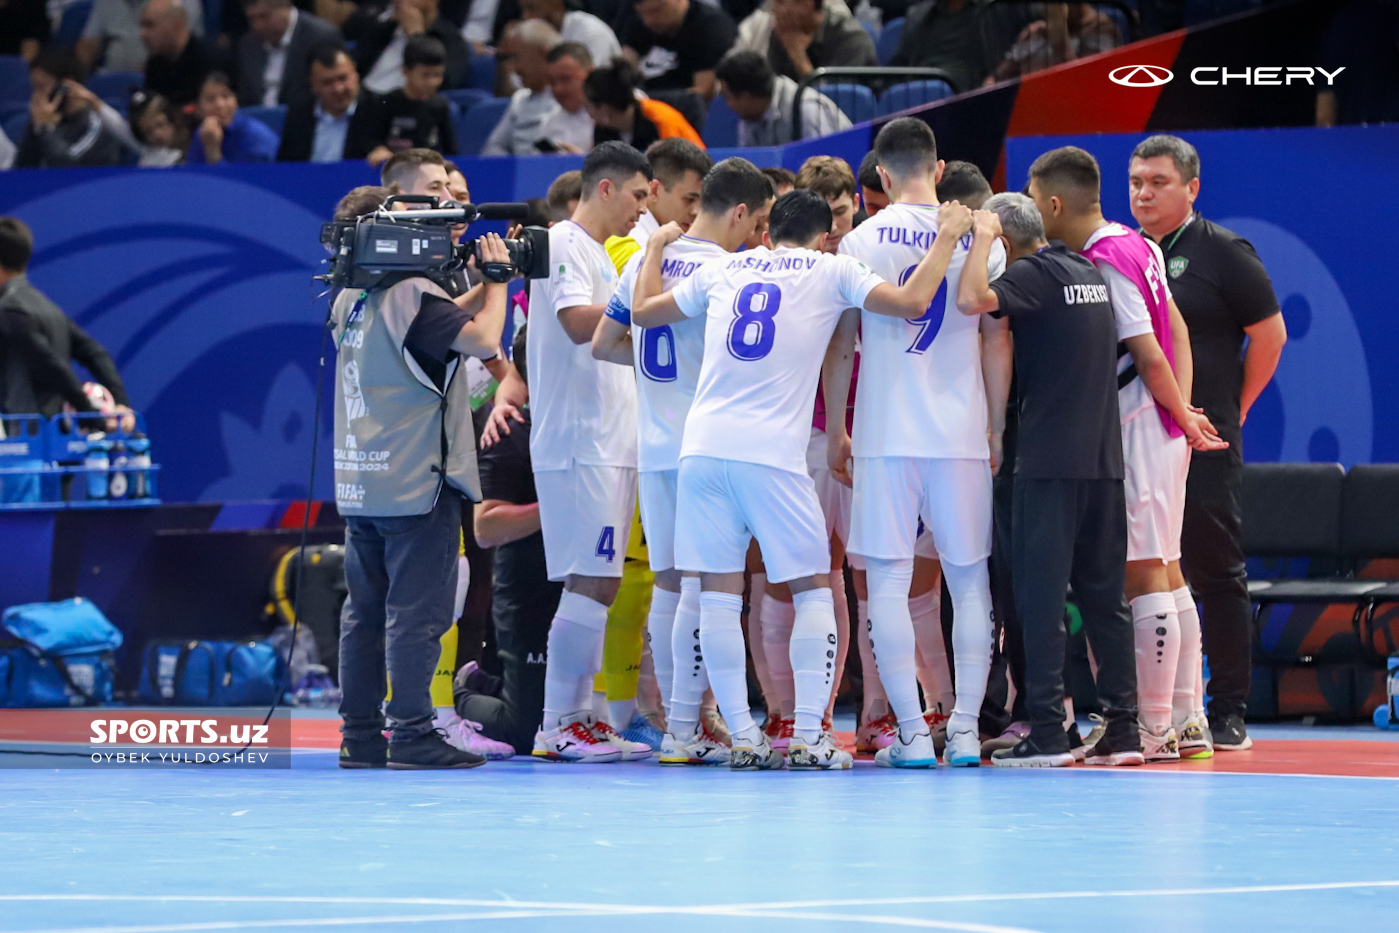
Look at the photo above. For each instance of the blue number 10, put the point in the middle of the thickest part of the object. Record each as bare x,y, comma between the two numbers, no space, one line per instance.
753,328
931,322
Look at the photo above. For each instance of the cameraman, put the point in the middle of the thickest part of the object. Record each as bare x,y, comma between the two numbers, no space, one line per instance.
405,457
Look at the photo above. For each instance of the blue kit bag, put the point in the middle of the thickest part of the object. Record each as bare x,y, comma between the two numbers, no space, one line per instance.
209,673
57,654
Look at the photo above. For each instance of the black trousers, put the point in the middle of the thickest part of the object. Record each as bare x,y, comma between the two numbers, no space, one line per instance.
1073,531
1212,558
1008,648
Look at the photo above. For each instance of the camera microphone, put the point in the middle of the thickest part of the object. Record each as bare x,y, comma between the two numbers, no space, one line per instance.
502,211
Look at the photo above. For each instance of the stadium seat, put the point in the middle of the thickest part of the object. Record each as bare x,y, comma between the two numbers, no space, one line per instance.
483,73
888,42
855,100
1202,11
15,125
872,29
274,117
14,78
474,127
115,83
721,125
464,98
911,94
70,29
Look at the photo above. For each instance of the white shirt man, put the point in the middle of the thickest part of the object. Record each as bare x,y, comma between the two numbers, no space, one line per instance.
820,116
277,63
527,120
587,29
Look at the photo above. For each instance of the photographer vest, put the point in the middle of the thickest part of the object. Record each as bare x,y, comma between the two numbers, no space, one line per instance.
397,435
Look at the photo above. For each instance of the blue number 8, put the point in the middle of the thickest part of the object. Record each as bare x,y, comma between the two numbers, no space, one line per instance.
755,306
931,322
653,366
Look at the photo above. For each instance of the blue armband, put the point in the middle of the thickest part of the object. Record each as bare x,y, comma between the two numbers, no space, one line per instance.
619,312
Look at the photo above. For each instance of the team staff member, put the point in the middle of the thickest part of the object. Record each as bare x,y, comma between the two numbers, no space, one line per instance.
1225,295
1070,514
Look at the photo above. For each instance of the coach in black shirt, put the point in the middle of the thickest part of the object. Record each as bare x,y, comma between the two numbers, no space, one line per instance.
1070,517
1225,295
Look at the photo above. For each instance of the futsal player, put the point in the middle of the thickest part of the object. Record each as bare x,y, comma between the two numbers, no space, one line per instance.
770,314
1158,426
583,450
921,448
735,198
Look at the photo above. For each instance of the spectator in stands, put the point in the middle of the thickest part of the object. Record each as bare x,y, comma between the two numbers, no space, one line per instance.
1068,31
112,39
963,181
563,196
764,102
619,113
65,128
832,179
274,56
873,197
39,343
382,40
799,36
523,50
233,21
338,123
178,60
1363,40
677,44
575,26
783,180
415,116
24,28
161,132
225,134
965,38
571,127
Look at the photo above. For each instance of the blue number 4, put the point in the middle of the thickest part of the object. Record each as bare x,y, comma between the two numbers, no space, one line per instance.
931,321
606,543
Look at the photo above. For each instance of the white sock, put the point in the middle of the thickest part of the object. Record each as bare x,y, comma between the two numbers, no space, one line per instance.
813,656
926,612
721,634
892,641
756,649
1185,695
691,676
876,700
778,618
575,644
1157,629
620,712
970,587
841,605
660,620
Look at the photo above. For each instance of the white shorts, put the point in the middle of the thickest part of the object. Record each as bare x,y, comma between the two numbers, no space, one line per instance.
953,497
586,516
1155,466
659,490
725,503
835,497
923,546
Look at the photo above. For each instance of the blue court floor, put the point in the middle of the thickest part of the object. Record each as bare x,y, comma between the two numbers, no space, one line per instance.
545,847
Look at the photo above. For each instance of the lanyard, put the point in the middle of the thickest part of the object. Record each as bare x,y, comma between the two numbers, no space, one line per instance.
355,313
1176,235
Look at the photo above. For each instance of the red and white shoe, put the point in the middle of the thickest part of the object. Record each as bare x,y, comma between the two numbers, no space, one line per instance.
937,725
631,751
575,740
783,739
876,734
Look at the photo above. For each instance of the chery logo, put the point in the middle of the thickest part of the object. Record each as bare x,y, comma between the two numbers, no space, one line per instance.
1140,75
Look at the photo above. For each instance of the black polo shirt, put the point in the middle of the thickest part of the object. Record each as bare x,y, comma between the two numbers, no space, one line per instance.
1221,287
1065,366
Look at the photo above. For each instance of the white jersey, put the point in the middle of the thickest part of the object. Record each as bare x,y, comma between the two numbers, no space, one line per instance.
1133,318
667,358
583,410
771,313
920,392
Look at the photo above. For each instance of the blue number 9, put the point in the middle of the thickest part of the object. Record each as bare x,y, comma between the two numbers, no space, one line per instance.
755,306
931,321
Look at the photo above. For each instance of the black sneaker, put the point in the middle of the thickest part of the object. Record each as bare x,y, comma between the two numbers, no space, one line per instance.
430,752
1229,733
1027,754
1076,746
1121,750
364,753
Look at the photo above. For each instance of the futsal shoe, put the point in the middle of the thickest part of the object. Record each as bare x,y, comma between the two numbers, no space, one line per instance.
1027,754
1194,738
1120,751
1077,747
356,754
918,752
1159,748
1229,733
1095,735
631,751
1015,733
466,735
782,739
750,756
700,749
430,752
714,726
575,740
963,750
825,755
642,731
877,734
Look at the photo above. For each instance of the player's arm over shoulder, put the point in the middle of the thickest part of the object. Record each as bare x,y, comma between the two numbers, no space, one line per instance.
688,299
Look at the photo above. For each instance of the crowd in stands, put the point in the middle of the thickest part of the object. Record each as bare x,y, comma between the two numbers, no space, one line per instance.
362,79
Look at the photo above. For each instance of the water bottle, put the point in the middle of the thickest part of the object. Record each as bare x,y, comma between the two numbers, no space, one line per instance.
1392,692
139,461
97,459
119,483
